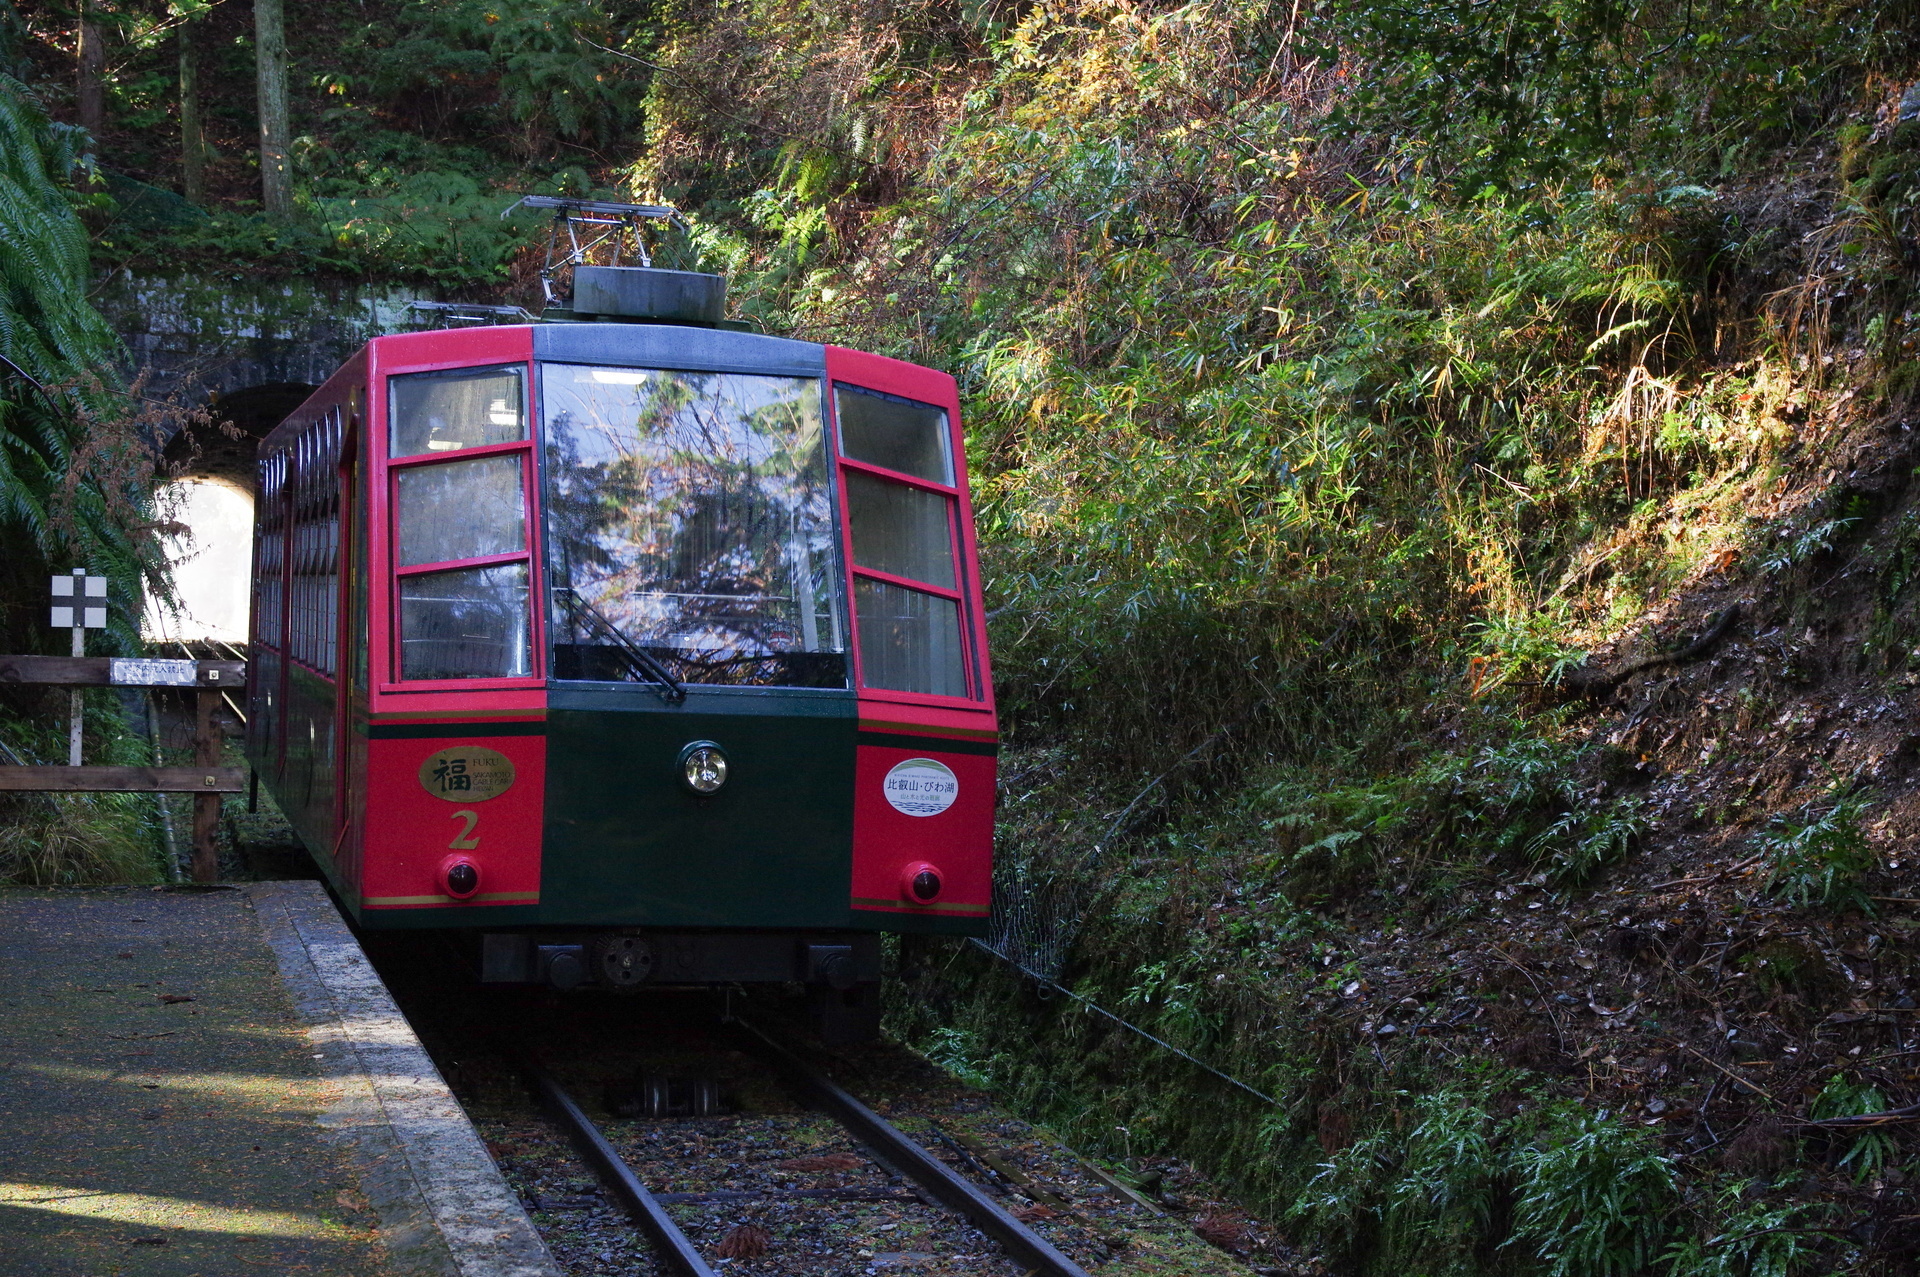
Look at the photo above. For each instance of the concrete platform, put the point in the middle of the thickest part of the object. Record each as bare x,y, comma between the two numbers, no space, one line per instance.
195,1083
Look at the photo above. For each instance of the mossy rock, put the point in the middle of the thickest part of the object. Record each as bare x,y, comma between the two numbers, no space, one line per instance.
1891,174
1905,135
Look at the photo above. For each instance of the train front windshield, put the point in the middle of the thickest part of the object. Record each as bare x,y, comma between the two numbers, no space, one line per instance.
690,515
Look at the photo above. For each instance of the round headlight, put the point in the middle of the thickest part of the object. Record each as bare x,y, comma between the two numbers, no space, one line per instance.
703,766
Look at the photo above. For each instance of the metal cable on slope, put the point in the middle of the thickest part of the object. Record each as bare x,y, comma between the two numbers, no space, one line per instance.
1124,1023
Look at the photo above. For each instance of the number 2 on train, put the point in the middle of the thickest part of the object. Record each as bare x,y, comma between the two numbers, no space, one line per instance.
466,839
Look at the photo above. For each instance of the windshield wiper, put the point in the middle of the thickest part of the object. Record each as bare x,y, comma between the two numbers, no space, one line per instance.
642,662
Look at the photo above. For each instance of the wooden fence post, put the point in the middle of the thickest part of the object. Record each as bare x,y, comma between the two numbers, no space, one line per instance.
206,807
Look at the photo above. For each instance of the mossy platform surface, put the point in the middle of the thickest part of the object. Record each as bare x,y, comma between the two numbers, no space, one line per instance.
159,1100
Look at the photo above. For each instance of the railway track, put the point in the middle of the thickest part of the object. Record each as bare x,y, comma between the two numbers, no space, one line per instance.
920,1174
892,1148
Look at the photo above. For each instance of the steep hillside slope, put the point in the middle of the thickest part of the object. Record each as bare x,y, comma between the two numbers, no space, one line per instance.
1615,983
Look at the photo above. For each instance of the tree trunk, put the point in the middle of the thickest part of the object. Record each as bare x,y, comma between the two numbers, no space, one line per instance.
193,145
270,60
93,63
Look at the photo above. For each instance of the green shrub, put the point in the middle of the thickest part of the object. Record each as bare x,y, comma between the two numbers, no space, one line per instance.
59,840
1423,1187
1521,91
1521,802
433,225
70,840
955,1050
1594,1196
1821,859
1751,1239
520,55
1174,1005
1587,839
1874,1146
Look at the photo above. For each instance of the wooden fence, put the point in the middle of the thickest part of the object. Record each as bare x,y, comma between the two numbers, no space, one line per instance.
206,780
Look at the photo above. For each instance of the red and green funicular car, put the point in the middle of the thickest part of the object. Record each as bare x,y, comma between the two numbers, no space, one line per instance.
642,652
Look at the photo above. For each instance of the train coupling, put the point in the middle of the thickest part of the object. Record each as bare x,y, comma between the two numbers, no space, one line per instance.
832,965
831,962
564,966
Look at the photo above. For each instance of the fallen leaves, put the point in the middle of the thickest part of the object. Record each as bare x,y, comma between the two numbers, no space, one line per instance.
820,1162
746,1241
1227,1231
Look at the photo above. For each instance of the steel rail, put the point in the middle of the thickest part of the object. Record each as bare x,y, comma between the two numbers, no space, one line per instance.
1022,1244
646,1210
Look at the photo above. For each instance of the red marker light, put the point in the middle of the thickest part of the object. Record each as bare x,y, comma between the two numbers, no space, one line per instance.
460,877
921,883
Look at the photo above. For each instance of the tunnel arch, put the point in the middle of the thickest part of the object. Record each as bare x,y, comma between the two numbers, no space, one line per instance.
205,491
249,350
226,447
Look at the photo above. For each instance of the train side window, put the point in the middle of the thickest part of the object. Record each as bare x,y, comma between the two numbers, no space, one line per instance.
900,530
448,411
460,523
462,510
902,508
467,623
894,433
909,639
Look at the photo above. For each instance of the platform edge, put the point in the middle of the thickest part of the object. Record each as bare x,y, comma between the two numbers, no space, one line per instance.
443,1205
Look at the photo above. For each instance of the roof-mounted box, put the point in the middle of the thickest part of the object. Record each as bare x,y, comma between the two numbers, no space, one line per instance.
644,292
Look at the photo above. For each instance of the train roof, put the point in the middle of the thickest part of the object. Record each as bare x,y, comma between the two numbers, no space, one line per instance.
677,346
641,345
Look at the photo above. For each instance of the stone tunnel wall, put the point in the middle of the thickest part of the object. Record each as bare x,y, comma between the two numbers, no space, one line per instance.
201,338
249,350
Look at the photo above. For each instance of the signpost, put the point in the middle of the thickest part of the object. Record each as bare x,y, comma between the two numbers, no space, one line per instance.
75,608
79,613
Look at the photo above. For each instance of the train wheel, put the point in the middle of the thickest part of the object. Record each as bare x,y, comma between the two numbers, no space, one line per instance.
652,1095
622,962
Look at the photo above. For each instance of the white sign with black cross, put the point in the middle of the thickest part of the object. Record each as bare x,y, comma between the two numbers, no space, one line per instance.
79,611
74,609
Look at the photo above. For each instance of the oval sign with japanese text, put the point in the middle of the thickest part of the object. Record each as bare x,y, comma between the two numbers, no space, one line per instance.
921,787
466,773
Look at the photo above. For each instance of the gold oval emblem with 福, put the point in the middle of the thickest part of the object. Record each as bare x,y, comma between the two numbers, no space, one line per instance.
466,773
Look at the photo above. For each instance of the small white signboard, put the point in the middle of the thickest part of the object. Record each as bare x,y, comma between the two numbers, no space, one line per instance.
921,787
131,671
